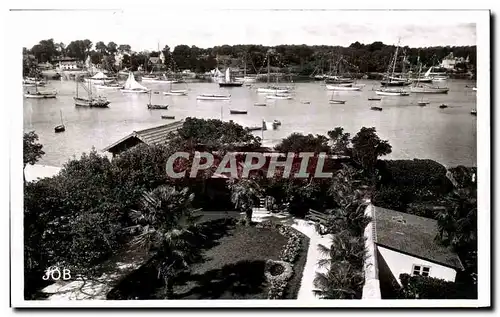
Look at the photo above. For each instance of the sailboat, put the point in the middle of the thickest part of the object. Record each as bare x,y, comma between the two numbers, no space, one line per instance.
40,94
60,127
131,85
153,107
90,101
340,83
426,78
391,80
245,78
100,77
269,88
337,77
179,92
228,82
417,87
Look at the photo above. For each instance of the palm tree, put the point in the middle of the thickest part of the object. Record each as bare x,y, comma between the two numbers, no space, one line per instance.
168,230
342,281
345,247
245,194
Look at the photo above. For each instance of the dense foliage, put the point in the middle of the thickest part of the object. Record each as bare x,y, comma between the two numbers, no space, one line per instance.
344,278
301,59
426,287
413,186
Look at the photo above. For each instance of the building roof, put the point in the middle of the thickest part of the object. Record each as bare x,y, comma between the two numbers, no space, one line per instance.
155,60
151,136
412,235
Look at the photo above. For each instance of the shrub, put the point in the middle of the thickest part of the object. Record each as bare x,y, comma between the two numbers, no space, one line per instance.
277,274
426,287
292,247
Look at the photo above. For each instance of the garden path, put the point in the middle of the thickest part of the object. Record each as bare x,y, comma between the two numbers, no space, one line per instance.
306,291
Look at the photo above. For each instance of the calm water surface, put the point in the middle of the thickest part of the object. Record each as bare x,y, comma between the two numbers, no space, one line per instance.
445,135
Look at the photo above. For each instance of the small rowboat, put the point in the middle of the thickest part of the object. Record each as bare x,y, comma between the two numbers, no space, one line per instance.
376,108
442,106
168,117
60,128
337,101
423,103
260,104
155,107
213,97
238,111
473,112
254,128
374,99
306,102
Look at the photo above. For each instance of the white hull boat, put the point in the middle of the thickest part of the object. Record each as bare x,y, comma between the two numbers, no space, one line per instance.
132,86
108,86
429,90
175,93
40,95
344,88
246,79
475,89
392,92
439,78
213,97
279,96
272,90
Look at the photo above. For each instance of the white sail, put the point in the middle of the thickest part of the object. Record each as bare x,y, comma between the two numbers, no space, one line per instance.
228,75
132,84
428,73
100,75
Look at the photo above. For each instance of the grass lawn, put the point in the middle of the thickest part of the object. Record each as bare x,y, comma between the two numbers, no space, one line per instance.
232,267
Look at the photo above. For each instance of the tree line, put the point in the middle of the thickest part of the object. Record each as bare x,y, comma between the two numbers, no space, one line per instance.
299,59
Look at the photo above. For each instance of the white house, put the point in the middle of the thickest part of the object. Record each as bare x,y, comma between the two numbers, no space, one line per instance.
400,243
68,63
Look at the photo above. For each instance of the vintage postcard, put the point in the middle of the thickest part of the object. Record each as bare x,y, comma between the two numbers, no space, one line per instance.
232,157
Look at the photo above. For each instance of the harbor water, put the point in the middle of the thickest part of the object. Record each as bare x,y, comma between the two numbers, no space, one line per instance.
445,135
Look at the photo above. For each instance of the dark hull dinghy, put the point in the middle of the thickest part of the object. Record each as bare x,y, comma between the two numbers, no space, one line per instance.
337,101
376,108
168,117
443,106
157,107
238,111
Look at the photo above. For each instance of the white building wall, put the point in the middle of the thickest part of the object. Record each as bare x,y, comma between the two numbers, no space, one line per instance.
371,288
400,263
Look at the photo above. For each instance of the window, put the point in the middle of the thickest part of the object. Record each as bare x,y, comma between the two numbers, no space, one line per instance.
421,270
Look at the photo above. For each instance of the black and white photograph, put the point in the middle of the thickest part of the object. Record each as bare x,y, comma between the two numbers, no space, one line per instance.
233,157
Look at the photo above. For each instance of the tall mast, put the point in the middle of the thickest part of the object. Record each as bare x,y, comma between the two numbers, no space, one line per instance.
60,112
245,62
268,68
395,59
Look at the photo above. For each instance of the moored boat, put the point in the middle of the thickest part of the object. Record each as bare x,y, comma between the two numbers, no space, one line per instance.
376,108
426,89
423,103
260,104
344,88
213,97
272,90
279,96
90,101
152,106
168,117
391,92
337,101
473,112
443,106
374,99
60,128
238,111
40,94
132,86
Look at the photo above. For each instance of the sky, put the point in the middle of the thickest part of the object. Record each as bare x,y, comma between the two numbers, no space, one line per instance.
146,29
